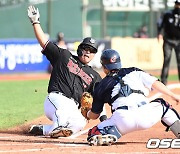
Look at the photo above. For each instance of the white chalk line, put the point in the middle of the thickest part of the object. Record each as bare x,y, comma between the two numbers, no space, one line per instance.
78,134
25,150
71,145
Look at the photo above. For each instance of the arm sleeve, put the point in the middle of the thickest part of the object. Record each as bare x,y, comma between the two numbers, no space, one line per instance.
98,103
147,79
97,107
51,51
160,23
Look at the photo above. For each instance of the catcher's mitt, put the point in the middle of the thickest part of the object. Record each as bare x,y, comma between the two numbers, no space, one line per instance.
86,103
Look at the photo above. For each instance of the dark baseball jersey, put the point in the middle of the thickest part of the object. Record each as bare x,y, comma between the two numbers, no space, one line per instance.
69,75
121,82
170,22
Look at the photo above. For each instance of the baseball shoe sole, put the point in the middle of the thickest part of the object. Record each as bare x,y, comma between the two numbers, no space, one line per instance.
36,130
99,140
61,132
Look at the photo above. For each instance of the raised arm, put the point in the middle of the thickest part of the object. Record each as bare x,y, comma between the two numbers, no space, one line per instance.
34,16
163,89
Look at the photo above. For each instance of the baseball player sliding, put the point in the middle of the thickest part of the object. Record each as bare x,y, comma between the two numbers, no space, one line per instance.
125,90
70,77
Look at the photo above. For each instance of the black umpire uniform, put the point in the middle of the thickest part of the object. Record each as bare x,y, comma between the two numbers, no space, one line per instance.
170,24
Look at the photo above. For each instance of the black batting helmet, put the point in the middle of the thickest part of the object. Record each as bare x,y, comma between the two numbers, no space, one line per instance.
88,41
177,2
110,59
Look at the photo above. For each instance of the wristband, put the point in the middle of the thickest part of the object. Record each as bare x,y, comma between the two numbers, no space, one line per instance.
35,23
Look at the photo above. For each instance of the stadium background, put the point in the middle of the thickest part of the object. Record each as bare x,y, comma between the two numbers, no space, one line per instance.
111,22
23,69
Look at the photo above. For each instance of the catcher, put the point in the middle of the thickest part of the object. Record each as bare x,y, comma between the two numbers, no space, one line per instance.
70,77
125,90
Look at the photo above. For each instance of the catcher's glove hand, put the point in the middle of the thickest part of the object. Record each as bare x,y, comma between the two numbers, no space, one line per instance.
33,15
86,103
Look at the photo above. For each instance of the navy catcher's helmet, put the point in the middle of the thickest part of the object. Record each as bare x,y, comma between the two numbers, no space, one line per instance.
110,59
87,42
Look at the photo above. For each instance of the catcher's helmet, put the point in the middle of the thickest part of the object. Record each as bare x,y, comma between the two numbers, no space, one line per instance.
110,59
88,41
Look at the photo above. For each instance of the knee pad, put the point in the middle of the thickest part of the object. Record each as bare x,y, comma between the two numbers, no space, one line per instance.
164,104
175,128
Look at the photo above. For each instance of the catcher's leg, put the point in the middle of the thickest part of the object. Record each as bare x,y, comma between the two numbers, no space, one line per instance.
170,118
106,136
175,128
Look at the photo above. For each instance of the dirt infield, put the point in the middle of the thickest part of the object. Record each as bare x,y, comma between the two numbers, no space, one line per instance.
17,140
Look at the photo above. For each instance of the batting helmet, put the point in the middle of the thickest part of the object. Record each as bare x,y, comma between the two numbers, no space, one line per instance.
110,59
90,42
177,2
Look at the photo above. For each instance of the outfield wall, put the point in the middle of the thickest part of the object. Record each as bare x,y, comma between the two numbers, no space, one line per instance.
142,53
25,55
21,56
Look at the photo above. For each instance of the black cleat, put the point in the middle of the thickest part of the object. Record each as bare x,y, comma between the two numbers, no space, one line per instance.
36,130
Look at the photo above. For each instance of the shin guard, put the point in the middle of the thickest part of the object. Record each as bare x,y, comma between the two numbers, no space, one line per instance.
175,128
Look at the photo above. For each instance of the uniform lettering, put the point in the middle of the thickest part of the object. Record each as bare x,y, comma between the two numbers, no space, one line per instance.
74,68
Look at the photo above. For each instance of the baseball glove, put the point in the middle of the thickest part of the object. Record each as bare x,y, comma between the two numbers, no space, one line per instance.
86,103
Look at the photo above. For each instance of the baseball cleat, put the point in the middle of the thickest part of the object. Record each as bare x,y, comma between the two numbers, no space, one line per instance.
61,132
36,130
99,140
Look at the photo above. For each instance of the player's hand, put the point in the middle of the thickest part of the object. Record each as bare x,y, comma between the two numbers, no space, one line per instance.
33,15
176,98
159,37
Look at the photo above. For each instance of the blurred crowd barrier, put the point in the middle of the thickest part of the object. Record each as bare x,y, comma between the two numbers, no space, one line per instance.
25,55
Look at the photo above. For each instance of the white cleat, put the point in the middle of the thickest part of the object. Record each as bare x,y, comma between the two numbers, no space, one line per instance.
99,140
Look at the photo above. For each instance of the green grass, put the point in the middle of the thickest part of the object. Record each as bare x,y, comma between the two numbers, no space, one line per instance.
21,101
173,77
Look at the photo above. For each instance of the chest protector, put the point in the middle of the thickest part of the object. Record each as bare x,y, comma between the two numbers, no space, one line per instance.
124,90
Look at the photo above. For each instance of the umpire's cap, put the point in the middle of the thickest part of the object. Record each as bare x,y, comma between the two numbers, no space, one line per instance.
110,59
177,2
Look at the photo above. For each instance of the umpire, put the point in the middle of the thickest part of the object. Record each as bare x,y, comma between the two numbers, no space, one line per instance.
170,25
